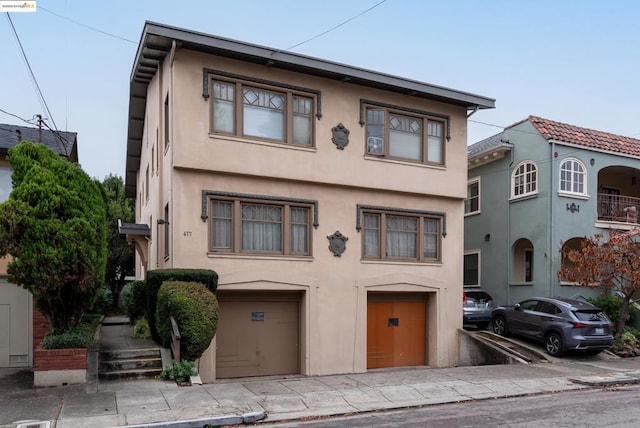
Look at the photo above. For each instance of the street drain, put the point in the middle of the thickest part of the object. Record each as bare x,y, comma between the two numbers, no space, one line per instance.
34,424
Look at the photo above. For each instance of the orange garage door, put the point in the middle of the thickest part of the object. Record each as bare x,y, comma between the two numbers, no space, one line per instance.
396,332
257,335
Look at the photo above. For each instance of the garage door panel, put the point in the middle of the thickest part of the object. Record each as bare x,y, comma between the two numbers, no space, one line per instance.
257,338
396,333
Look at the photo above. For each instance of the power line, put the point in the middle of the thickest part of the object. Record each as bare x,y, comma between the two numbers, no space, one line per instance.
336,27
86,26
16,116
33,76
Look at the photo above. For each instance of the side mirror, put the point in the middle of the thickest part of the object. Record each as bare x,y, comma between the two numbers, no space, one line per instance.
516,306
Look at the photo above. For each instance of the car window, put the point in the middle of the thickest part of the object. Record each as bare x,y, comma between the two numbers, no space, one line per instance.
548,308
529,305
479,296
591,315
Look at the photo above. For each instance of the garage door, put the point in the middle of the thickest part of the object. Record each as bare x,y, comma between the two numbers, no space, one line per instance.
258,335
14,325
396,330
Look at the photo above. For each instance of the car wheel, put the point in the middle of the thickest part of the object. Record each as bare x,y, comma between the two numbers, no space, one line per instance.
553,344
482,325
500,326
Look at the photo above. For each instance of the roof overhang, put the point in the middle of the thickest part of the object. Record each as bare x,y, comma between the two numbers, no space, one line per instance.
495,153
157,41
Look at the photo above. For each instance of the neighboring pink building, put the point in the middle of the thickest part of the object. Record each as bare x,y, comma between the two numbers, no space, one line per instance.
328,198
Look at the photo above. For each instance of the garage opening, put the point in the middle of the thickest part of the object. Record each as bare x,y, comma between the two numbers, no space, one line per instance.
258,334
396,329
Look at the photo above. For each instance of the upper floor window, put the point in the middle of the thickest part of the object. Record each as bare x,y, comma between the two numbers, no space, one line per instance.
472,203
388,235
471,268
573,176
524,179
404,136
5,183
167,117
271,114
258,227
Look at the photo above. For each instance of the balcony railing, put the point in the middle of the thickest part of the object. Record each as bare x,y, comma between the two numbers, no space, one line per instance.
624,209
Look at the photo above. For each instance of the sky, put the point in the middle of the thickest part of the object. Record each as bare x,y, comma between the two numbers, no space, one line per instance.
572,61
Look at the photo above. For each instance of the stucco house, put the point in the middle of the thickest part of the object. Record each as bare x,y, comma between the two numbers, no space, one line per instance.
16,304
535,188
329,199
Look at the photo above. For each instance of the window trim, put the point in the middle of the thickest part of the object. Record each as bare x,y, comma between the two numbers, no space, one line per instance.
571,193
441,216
479,210
513,180
478,282
286,222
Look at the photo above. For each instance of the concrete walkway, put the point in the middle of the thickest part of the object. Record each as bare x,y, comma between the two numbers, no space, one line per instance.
163,403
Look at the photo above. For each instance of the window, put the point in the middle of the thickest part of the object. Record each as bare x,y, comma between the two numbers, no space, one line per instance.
573,177
472,268
258,227
400,236
528,265
271,114
153,160
409,136
5,183
522,261
166,122
146,185
472,203
524,180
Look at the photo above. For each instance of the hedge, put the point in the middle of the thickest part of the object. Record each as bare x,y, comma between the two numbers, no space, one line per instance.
155,278
195,310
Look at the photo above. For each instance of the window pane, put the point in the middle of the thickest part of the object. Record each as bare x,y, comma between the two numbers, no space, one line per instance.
261,228
472,203
300,230
223,112
301,120
222,224
402,236
435,143
431,238
263,114
405,137
371,235
471,269
5,183
375,131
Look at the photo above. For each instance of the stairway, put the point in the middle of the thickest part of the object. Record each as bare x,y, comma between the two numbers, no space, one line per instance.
129,363
123,357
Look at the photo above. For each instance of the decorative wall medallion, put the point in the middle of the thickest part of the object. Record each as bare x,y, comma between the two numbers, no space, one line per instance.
337,243
340,136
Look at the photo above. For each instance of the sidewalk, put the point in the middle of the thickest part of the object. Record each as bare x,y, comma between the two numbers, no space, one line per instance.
147,402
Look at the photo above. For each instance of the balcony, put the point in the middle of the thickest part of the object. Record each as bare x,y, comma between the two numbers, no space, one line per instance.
618,208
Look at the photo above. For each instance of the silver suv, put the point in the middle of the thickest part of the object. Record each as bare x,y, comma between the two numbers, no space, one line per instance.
476,307
560,324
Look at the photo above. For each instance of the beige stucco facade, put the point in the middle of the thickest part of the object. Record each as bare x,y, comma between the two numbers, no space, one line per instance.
179,171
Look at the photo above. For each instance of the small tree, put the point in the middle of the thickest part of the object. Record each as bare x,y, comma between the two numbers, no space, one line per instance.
120,255
53,226
612,264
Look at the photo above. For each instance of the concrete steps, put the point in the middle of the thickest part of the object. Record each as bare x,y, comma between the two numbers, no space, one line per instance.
130,363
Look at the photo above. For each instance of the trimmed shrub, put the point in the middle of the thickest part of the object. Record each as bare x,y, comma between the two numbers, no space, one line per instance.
103,301
156,278
135,300
195,310
80,336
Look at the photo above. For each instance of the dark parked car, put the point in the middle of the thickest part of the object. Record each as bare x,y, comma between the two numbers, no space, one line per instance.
561,324
476,307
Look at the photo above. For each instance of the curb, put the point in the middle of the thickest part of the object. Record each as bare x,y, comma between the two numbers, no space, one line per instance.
246,418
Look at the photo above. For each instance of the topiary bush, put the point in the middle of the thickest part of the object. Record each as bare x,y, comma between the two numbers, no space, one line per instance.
156,278
195,310
103,302
133,298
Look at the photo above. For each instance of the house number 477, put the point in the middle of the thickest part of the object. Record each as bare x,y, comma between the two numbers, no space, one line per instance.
187,233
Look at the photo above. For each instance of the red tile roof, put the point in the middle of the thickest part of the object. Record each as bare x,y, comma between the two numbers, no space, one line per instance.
586,137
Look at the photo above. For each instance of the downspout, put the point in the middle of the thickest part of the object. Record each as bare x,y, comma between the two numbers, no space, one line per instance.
508,218
174,48
550,253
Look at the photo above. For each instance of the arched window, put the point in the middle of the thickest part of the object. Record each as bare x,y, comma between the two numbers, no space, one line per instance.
573,177
522,261
524,179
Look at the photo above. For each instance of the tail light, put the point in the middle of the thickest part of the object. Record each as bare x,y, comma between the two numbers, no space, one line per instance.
580,325
464,297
